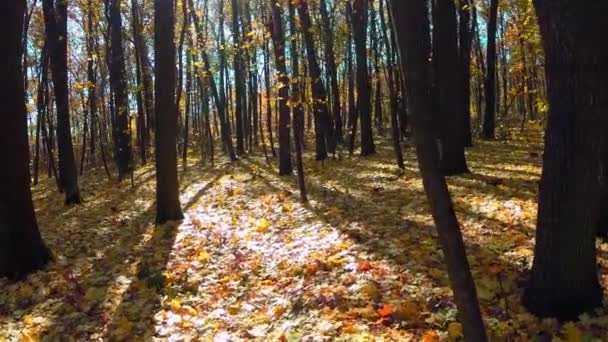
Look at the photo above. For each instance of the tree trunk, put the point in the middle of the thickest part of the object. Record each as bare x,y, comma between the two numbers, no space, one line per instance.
332,70
465,39
118,82
414,43
239,80
323,127
278,38
564,280
489,118
296,100
450,124
359,20
22,250
55,20
167,186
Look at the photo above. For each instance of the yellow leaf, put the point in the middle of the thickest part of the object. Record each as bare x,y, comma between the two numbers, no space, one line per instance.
123,329
234,309
26,337
203,256
263,226
188,310
175,305
455,331
278,311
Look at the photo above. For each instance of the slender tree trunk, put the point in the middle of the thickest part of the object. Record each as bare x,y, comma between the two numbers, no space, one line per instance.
167,186
359,20
489,118
268,100
55,19
296,100
22,250
414,43
564,280
332,70
465,39
219,101
323,127
285,167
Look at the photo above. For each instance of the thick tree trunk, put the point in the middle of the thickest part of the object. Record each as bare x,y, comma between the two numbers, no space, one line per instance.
450,125
22,250
278,38
167,186
414,43
489,117
55,20
359,20
564,281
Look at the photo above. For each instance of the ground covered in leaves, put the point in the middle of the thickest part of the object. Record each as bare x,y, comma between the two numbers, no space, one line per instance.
359,262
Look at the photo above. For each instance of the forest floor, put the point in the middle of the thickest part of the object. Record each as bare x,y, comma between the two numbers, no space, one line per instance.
359,262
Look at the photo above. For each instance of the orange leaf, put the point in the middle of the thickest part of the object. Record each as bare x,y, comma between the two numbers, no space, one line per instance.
385,311
430,336
363,266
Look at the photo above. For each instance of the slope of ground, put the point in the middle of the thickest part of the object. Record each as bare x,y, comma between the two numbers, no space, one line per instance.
359,262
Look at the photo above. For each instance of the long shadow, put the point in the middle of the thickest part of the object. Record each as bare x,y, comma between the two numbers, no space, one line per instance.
123,249
375,227
142,299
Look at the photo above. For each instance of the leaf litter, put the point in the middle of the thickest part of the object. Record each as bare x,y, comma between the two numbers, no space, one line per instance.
359,262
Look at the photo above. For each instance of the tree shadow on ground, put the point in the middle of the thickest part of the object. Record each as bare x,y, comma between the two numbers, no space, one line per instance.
380,230
121,268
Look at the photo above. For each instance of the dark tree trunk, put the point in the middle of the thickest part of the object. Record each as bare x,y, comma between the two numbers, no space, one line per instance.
564,280
239,80
323,127
359,20
296,99
395,134
118,83
167,187
332,70
91,83
450,124
465,39
414,43
278,38
55,20
268,101
144,95
489,117
22,250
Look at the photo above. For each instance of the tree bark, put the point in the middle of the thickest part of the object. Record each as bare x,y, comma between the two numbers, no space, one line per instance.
564,280
278,38
22,250
489,117
55,20
414,44
167,186
359,20
450,125
323,127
